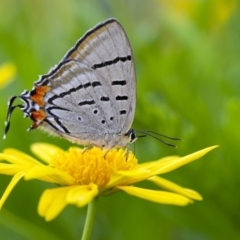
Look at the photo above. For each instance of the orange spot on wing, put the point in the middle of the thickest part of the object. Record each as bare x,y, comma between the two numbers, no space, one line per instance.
38,95
38,116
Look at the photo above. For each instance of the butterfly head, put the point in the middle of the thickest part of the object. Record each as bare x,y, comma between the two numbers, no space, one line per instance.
131,136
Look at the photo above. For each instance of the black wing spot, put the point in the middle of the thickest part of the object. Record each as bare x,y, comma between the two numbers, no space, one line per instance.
129,57
86,85
111,62
104,99
103,121
95,111
123,112
79,118
96,83
119,82
90,102
121,98
111,118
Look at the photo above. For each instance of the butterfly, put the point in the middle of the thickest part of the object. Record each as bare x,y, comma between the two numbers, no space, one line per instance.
89,98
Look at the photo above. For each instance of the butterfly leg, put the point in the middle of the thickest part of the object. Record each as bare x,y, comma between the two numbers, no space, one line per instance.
87,148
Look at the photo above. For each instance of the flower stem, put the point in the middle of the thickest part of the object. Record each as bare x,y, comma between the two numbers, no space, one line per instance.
92,206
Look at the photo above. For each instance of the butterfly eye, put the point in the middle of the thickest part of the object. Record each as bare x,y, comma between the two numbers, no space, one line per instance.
133,136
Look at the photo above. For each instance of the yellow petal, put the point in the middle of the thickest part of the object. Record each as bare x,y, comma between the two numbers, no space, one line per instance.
193,194
82,195
161,197
175,188
181,161
50,174
128,177
44,151
160,162
9,169
10,187
52,202
17,157
147,170
7,72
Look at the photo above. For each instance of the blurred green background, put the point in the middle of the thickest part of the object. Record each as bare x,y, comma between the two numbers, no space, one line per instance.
187,57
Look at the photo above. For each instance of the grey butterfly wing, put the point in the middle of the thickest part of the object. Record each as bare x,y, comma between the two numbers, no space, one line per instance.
73,111
107,50
93,92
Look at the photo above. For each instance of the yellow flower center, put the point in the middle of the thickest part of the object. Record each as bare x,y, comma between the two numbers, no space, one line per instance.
94,165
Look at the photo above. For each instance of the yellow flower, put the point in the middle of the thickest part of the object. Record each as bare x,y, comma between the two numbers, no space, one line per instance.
7,72
213,13
81,175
